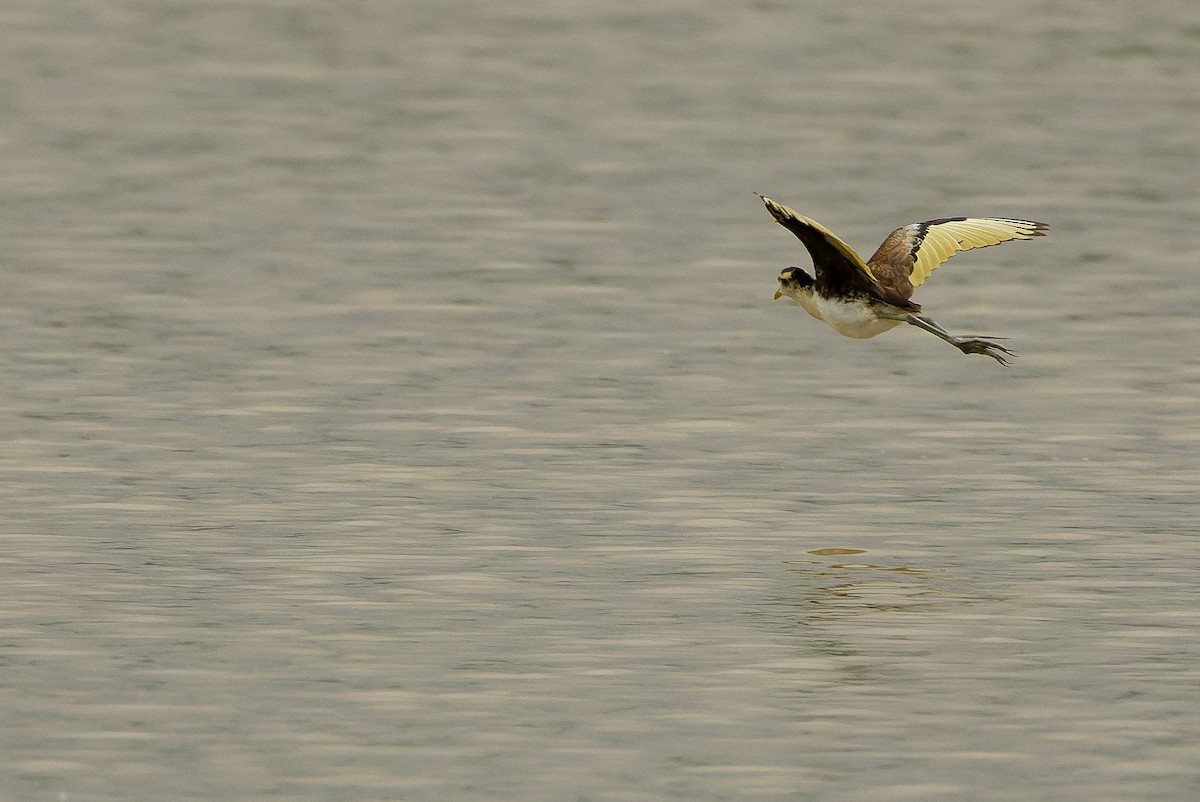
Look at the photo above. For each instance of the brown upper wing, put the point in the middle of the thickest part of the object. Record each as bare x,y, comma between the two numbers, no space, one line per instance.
910,254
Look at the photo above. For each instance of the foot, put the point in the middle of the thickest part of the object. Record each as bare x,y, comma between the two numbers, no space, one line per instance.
975,345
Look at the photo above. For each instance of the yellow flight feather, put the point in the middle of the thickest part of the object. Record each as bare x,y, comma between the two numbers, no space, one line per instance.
944,238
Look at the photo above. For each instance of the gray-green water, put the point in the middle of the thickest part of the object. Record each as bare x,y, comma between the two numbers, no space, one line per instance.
393,404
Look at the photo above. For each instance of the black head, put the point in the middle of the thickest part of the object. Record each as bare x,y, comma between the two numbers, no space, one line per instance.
795,277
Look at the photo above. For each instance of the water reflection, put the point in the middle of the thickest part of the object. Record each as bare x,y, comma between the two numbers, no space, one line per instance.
827,590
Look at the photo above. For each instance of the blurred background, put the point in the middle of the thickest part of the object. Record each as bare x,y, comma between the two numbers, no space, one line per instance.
394,407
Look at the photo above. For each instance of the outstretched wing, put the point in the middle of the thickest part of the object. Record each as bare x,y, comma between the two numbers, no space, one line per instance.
839,268
914,251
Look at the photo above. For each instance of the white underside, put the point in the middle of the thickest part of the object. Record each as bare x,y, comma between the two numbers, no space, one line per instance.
846,318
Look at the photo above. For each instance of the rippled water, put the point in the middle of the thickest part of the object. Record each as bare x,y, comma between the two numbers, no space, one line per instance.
394,406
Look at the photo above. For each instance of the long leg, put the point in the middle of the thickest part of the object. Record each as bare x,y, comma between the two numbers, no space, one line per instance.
968,345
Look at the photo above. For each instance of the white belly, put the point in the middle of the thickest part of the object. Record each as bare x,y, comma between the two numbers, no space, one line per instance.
849,319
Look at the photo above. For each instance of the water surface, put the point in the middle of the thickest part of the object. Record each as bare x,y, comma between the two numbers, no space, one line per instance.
394,406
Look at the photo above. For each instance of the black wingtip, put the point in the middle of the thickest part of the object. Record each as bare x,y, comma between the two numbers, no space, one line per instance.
777,210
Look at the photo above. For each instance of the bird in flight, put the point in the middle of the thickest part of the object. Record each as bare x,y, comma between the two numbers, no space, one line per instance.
861,299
